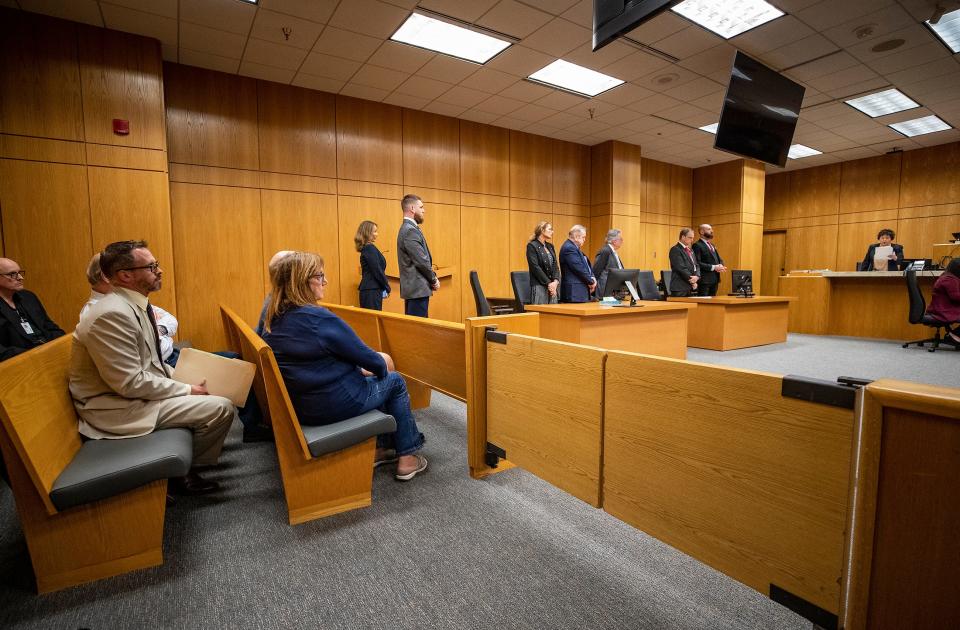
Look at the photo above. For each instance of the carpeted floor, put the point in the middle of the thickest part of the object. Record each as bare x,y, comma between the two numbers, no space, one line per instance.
443,551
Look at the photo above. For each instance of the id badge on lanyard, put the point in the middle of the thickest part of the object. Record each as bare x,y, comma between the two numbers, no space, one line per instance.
27,328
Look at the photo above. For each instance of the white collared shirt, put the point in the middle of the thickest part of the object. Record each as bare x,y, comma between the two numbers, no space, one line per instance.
614,250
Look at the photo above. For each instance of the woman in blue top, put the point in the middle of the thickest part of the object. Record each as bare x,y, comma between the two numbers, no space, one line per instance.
374,285
329,372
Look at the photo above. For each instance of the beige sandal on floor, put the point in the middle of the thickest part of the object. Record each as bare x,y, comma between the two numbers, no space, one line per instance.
421,466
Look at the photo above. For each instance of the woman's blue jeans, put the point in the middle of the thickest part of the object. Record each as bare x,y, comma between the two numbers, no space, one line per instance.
390,396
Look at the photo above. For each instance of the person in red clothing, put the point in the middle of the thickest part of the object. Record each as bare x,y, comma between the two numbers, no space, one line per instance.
945,302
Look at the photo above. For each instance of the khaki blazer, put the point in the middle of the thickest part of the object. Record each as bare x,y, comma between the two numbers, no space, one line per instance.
115,372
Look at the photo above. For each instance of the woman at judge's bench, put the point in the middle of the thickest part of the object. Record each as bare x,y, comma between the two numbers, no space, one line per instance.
543,266
330,374
945,301
374,285
889,262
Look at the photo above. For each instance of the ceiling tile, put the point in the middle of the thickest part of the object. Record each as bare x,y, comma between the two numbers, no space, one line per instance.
624,94
830,13
561,100
328,67
556,7
845,78
478,116
580,13
403,4
499,105
377,77
653,104
467,11
916,56
407,100
423,87
513,18
688,42
822,67
448,69
654,30
526,91
715,61
274,55
209,40
697,88
400,56
511,123
340,43
323,84
635,65
584,56
872,27
558,37
445,109
799,52
369,17
846,90
209,61
562,120
615,115
913,35
488,80
364,92
462,97
85,11
532,113
140,23
269,26
520,61
776,34
313,10
267,73
166,8
223,15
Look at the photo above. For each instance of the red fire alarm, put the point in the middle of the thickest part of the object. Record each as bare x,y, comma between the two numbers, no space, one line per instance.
121,127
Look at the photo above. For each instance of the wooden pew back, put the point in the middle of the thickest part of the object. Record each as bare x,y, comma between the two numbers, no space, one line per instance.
247,345
37,413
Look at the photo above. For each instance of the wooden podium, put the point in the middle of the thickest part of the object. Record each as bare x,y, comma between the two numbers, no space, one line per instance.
727,322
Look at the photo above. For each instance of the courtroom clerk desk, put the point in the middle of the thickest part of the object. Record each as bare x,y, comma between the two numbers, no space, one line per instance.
727,323
855,303
656,328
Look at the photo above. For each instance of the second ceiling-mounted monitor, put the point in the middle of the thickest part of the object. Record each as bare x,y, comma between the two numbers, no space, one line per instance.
612,18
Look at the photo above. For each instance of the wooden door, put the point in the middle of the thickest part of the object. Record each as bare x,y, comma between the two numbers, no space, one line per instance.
773,258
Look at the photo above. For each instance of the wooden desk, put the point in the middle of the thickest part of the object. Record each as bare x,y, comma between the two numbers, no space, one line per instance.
656,328
728,323
855,303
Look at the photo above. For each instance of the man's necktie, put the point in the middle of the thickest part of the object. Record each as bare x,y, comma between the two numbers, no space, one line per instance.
156,333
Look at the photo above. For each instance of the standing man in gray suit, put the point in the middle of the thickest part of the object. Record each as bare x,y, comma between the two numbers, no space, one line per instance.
418,280
120,385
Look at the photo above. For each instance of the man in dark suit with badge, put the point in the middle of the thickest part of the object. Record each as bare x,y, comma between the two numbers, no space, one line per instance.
24,324
418,280
683,263
709,260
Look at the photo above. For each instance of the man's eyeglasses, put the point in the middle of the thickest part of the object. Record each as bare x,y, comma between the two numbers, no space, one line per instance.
14,274
153,267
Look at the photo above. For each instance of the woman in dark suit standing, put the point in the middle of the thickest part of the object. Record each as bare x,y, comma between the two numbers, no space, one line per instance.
542,262
374,285
885,237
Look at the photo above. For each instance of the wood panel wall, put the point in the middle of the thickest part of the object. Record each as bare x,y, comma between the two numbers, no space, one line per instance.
68,184
649,201
832,213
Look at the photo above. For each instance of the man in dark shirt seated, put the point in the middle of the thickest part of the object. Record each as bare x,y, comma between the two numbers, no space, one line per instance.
24,324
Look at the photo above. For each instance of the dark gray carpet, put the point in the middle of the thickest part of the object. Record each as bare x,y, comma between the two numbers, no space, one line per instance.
829,357
443,551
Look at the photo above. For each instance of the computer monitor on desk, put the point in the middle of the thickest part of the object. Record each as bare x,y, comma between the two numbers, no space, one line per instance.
617,286
742,282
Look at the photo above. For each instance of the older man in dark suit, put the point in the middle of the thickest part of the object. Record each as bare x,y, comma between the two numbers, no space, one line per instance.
607,259
418,280
24,324
576,277
683,263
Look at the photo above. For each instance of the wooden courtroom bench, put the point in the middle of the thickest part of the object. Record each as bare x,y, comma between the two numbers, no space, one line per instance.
89,510
325,469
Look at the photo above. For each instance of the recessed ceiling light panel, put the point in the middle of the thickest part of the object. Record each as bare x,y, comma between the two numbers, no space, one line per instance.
798,151
882,103
710,128
573,78
728,18
920,126
456,41
947,29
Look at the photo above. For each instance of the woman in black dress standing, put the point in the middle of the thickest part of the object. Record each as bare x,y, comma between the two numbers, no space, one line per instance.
374,285
542,263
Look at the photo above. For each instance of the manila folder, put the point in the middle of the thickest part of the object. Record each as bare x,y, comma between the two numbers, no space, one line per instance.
230,378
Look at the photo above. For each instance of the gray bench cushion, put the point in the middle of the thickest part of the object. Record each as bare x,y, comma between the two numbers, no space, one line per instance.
330,438
104,468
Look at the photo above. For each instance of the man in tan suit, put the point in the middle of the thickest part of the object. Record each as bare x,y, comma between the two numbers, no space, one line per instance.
120,385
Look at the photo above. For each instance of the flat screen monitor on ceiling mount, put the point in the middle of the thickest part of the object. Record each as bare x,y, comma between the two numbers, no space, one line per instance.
760,112
612,18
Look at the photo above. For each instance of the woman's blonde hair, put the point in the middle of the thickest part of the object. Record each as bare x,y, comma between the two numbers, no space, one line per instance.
364,234
537,231
291,284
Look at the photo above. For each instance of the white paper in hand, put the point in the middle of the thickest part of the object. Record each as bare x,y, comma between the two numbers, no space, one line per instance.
230,378
881,256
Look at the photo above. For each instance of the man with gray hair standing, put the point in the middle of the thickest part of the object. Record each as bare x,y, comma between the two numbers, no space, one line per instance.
607,259
576,277
418,280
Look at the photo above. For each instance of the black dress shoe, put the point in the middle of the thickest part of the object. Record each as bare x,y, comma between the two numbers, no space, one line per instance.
258,434
193,484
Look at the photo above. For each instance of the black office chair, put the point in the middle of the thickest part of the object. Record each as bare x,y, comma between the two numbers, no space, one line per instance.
647,287
918,313
520,281
665,276
483,307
